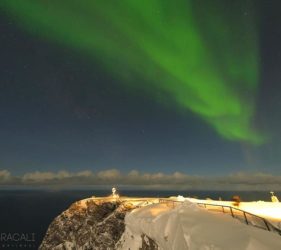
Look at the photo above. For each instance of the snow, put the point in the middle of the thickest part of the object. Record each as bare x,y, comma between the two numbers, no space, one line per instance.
188,226
268,210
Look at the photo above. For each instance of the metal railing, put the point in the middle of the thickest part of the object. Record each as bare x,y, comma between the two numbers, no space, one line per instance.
246,217
172,203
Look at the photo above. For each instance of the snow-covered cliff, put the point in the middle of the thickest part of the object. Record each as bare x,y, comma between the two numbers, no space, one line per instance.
134,224
187,226
89,224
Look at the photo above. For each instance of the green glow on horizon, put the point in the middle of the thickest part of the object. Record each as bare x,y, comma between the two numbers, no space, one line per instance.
202,54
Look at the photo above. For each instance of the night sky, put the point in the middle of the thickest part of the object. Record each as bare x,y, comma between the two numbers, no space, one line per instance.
62,108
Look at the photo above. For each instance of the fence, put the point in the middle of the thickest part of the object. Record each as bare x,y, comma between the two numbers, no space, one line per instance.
243,216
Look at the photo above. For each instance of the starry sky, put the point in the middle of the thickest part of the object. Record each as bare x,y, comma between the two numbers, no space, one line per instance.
65,107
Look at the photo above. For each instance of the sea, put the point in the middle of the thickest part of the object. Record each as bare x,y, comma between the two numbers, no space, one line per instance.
26,214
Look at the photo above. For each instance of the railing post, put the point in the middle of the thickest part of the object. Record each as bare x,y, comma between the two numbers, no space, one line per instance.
231,212
265,222
222,209
246,218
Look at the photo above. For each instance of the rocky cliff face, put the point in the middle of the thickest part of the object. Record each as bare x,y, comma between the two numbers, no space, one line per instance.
89,224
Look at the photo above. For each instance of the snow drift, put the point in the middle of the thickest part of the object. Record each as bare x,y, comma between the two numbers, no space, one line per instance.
189,227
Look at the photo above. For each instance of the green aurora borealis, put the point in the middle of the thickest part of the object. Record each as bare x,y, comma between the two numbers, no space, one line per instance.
203,55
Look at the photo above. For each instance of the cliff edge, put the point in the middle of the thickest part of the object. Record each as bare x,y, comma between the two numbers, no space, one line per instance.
90,224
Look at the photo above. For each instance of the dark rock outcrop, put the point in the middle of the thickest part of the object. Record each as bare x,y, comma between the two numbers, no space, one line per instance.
89,224
148,243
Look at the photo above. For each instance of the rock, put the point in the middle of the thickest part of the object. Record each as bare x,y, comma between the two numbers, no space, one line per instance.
87,225
148,243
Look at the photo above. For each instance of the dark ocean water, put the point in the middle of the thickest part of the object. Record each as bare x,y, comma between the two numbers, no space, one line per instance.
30,212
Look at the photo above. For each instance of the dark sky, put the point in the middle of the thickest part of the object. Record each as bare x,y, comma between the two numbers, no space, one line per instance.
60,110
